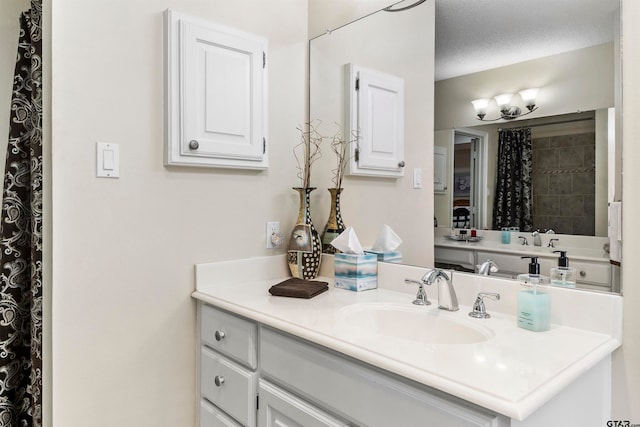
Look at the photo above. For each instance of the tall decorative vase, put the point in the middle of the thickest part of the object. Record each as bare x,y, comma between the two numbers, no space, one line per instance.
335,225
305,247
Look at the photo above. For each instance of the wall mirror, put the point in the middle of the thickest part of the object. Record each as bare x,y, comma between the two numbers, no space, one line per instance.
492,37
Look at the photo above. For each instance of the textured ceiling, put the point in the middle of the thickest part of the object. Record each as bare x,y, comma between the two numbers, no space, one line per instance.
477,35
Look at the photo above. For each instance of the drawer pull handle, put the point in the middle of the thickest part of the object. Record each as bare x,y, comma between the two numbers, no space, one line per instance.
219,335
218,380
583,273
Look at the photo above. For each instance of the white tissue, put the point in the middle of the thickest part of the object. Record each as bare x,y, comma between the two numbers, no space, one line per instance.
387,240
348,242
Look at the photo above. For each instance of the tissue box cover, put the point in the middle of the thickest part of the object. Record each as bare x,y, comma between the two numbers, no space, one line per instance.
356,272
387,256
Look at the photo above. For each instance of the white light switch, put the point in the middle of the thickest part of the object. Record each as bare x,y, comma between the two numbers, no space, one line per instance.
417,178
107,160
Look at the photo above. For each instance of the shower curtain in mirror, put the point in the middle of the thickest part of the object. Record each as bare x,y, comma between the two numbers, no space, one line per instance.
512,206
21,237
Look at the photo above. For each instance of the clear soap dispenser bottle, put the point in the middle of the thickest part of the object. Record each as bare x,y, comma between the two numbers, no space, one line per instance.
534,299
563,275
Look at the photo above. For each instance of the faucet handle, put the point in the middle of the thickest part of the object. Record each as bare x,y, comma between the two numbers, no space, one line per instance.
524,240
550,244
479,311
421,296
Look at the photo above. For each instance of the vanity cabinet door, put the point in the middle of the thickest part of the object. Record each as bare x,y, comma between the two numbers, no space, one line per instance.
277,408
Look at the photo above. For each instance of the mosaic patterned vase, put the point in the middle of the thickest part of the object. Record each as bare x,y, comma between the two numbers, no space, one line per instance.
335,225
305,247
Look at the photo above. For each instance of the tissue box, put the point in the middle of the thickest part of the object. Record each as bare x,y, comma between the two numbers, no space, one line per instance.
387,256
356,272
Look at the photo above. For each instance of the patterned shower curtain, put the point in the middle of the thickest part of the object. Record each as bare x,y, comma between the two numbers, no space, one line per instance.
512,206
21,237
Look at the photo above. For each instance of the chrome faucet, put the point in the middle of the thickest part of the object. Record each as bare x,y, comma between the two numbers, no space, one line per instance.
524,240
488,267
536,238
421,296
479,311
551,244
447,299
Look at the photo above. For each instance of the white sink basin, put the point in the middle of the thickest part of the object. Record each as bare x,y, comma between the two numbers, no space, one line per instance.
427,325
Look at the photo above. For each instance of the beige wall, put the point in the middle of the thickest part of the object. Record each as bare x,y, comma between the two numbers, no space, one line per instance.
626,369
124,249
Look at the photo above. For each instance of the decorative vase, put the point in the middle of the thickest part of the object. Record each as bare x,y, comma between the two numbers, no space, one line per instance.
335,225
305,247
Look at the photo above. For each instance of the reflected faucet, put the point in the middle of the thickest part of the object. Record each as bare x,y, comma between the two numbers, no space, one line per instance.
536,238
447,299
488,267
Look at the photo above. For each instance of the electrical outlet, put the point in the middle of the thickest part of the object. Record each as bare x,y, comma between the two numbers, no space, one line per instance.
273,228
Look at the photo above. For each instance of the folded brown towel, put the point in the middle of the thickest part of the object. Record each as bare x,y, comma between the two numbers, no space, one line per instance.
299,288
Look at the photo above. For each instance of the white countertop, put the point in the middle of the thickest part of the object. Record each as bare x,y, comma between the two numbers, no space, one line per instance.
513,373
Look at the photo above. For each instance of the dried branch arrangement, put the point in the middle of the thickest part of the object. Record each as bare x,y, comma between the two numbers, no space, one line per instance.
340,146
307,151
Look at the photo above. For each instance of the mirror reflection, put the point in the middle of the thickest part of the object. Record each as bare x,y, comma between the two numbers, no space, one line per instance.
573,154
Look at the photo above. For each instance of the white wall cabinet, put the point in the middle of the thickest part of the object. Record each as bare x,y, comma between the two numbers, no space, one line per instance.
376,117
439,169
297,383
216,95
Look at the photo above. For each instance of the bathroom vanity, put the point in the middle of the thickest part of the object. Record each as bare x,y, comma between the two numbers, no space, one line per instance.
372,358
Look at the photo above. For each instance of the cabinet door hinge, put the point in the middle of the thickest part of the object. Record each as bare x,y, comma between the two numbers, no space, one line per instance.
357,155
357,83
264,60
264,145
257,402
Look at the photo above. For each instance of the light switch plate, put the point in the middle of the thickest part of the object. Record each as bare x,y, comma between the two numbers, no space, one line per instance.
417,178
107,160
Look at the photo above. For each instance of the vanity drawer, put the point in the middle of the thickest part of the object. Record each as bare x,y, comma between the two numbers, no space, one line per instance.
596,273
210,416
280,408
230,335
361,393
463,257
229,386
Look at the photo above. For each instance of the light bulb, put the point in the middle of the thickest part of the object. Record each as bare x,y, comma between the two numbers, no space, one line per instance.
504,101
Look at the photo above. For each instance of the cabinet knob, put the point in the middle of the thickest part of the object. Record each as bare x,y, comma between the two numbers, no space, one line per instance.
193,144
583,273
401,164
218,380
219,335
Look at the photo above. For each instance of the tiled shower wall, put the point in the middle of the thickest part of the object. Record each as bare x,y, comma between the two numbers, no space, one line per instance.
563,182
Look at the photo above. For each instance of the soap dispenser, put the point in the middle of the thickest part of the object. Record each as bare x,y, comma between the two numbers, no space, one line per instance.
534,299
563,275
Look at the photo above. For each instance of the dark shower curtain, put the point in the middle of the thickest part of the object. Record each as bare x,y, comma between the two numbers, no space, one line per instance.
512,206
21,237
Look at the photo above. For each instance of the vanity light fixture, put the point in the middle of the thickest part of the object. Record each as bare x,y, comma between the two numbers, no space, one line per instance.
507,111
